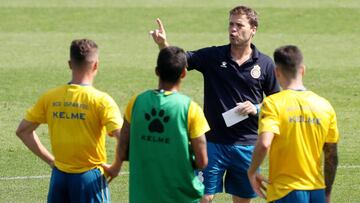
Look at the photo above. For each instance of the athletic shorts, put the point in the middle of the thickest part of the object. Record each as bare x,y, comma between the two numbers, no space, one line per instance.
233,161
303,196
87,187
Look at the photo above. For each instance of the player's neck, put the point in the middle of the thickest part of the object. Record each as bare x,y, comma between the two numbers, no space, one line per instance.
293,85
81,80
169,86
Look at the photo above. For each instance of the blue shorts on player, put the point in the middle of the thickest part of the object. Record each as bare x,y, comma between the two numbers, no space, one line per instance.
235,161
303,196
87,187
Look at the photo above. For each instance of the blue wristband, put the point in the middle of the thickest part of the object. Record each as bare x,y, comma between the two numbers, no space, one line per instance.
257,106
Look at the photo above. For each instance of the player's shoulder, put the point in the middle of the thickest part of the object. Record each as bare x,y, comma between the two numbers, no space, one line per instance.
144,93
54,91
276,96
98,96
186,99
321,101
180,94
96,92
193,104
144,96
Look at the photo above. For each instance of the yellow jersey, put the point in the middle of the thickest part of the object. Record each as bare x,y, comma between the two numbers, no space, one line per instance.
301,122
78,118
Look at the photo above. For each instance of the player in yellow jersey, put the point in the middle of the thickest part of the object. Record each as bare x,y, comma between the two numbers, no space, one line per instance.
296,125
78,117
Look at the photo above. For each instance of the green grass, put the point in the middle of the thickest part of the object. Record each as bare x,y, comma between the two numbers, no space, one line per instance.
35,37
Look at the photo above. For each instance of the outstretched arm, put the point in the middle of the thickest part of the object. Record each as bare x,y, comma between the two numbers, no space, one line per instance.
199,147
159,35
330,166
26,132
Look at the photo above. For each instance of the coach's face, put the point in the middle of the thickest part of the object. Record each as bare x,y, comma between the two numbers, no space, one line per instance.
240,30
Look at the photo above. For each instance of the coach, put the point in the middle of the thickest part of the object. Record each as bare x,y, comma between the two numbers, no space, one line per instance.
235,75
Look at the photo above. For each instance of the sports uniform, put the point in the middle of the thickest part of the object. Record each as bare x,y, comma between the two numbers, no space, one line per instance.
226,84
161,162
78,118
302,123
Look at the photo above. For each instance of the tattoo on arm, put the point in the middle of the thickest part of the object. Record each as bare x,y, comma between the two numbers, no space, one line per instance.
330,166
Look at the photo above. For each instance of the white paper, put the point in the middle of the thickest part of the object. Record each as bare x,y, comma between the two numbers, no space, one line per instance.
233,116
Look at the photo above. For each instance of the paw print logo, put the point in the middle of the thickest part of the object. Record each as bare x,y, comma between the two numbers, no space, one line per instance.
156,120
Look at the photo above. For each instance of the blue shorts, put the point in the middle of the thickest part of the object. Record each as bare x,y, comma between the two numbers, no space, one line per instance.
233,161
303,196
90,186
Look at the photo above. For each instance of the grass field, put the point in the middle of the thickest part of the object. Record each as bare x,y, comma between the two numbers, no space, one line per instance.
35,37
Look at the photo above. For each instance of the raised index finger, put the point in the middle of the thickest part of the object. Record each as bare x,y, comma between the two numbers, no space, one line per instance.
161,27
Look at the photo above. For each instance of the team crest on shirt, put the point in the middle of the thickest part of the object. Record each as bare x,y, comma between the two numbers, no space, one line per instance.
255,72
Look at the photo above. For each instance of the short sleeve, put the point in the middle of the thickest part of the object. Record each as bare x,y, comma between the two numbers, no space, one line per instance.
271,85
333,133
110,114
129,108
194,60
197,123
37,113
269,118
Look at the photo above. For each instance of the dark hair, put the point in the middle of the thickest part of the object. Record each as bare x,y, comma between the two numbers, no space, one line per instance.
288,58
82,51
248,12
171,63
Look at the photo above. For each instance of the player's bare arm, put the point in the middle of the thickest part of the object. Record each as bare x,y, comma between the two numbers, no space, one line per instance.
113,170
26,132
261,148
123,149
199,147
330,166
159,35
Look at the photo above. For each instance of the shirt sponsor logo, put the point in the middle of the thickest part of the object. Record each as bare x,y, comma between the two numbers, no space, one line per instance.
69,115
304,119
255,72
70,104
